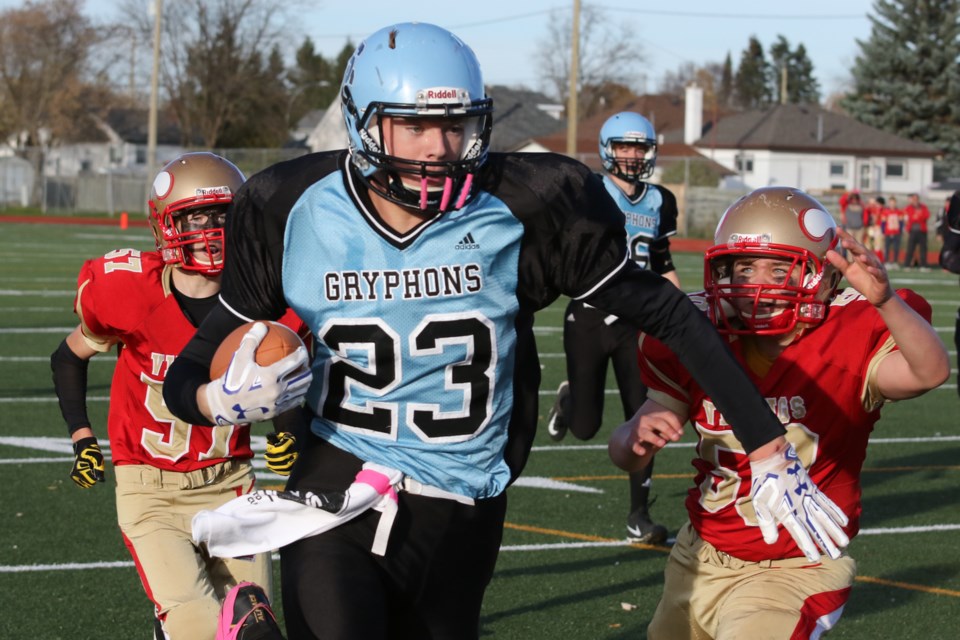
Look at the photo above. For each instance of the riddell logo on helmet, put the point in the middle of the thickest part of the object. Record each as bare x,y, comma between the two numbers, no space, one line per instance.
442,95
213,191
750,238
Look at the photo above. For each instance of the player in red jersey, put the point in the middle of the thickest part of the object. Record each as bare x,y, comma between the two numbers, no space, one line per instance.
826,363
148,304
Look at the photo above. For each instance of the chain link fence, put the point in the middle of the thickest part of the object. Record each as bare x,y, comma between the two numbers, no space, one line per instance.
704,189
105,189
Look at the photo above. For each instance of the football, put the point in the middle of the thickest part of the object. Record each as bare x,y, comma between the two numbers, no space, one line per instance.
280,341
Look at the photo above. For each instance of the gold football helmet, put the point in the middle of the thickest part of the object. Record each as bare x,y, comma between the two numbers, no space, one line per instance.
780,223
187,204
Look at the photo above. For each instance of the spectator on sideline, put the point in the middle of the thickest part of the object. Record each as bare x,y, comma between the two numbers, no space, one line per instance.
892,232
916,215
854,217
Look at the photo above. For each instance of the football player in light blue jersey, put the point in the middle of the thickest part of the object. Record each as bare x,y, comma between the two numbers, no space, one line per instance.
418,259
593,339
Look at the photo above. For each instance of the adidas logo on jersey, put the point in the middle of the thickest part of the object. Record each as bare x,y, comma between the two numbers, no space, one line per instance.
467,243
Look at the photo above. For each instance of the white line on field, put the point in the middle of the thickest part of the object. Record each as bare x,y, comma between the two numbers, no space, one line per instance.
935,528
126,564
42,294
259,444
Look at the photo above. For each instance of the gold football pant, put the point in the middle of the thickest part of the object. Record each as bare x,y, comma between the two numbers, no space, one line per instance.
154,510
710,595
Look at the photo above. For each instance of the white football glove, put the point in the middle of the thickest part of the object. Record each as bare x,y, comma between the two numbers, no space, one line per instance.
248,392
783,493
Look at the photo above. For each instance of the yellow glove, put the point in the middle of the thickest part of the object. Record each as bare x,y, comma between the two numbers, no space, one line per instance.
281,452
88,466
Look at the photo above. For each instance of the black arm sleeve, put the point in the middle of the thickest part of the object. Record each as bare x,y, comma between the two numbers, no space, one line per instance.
661,261
666,313
70,384
191,369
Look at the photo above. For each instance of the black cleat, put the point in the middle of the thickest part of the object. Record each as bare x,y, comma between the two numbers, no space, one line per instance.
640,528
556,420
246,615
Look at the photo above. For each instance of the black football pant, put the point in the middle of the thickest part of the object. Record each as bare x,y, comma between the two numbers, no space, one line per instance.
428,586
591,341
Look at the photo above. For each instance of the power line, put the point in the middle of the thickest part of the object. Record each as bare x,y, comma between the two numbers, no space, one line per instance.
736,16
465,25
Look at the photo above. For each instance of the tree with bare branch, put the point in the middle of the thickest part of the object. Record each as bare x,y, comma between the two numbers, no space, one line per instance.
213,53
610,55
48,90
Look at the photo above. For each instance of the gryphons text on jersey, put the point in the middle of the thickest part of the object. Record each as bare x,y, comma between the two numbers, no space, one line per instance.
424,339
645,218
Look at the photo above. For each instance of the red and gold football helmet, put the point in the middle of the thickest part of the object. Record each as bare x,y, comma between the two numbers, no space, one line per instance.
189,186
780,223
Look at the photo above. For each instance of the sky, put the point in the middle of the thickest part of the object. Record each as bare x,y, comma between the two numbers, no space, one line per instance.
506,34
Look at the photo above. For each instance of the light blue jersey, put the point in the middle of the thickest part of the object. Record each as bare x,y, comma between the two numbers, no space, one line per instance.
642,218
383,372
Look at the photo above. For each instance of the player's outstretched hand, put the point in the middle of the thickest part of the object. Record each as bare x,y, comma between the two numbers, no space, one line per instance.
635,442
863,270
281,452
248,392
88,468
783,493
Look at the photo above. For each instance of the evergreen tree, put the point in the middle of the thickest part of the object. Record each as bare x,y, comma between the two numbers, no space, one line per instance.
314,82
805,89
260,118
802,87
752,83
906,79
725,92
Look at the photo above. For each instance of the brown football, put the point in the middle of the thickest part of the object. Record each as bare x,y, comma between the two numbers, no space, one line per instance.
279,342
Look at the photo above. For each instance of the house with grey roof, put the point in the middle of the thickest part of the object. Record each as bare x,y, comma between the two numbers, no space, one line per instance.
520,116
817,150
667,113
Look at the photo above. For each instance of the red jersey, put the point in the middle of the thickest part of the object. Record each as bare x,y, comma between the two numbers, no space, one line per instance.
892,222
823,389
916,217
125,297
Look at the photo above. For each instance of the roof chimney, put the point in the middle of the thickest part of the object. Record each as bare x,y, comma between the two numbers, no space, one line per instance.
693,114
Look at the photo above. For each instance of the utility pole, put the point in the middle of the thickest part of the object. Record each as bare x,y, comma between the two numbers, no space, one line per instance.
574,69
154,97
783,84
133,64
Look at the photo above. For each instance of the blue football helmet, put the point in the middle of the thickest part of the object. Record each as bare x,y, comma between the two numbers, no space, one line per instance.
627,127
415,70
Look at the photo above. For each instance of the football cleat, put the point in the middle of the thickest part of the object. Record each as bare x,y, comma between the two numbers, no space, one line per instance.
556,419
246,615
640,528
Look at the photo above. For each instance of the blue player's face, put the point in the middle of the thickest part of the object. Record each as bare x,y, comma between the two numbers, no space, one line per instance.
424,140
630,155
